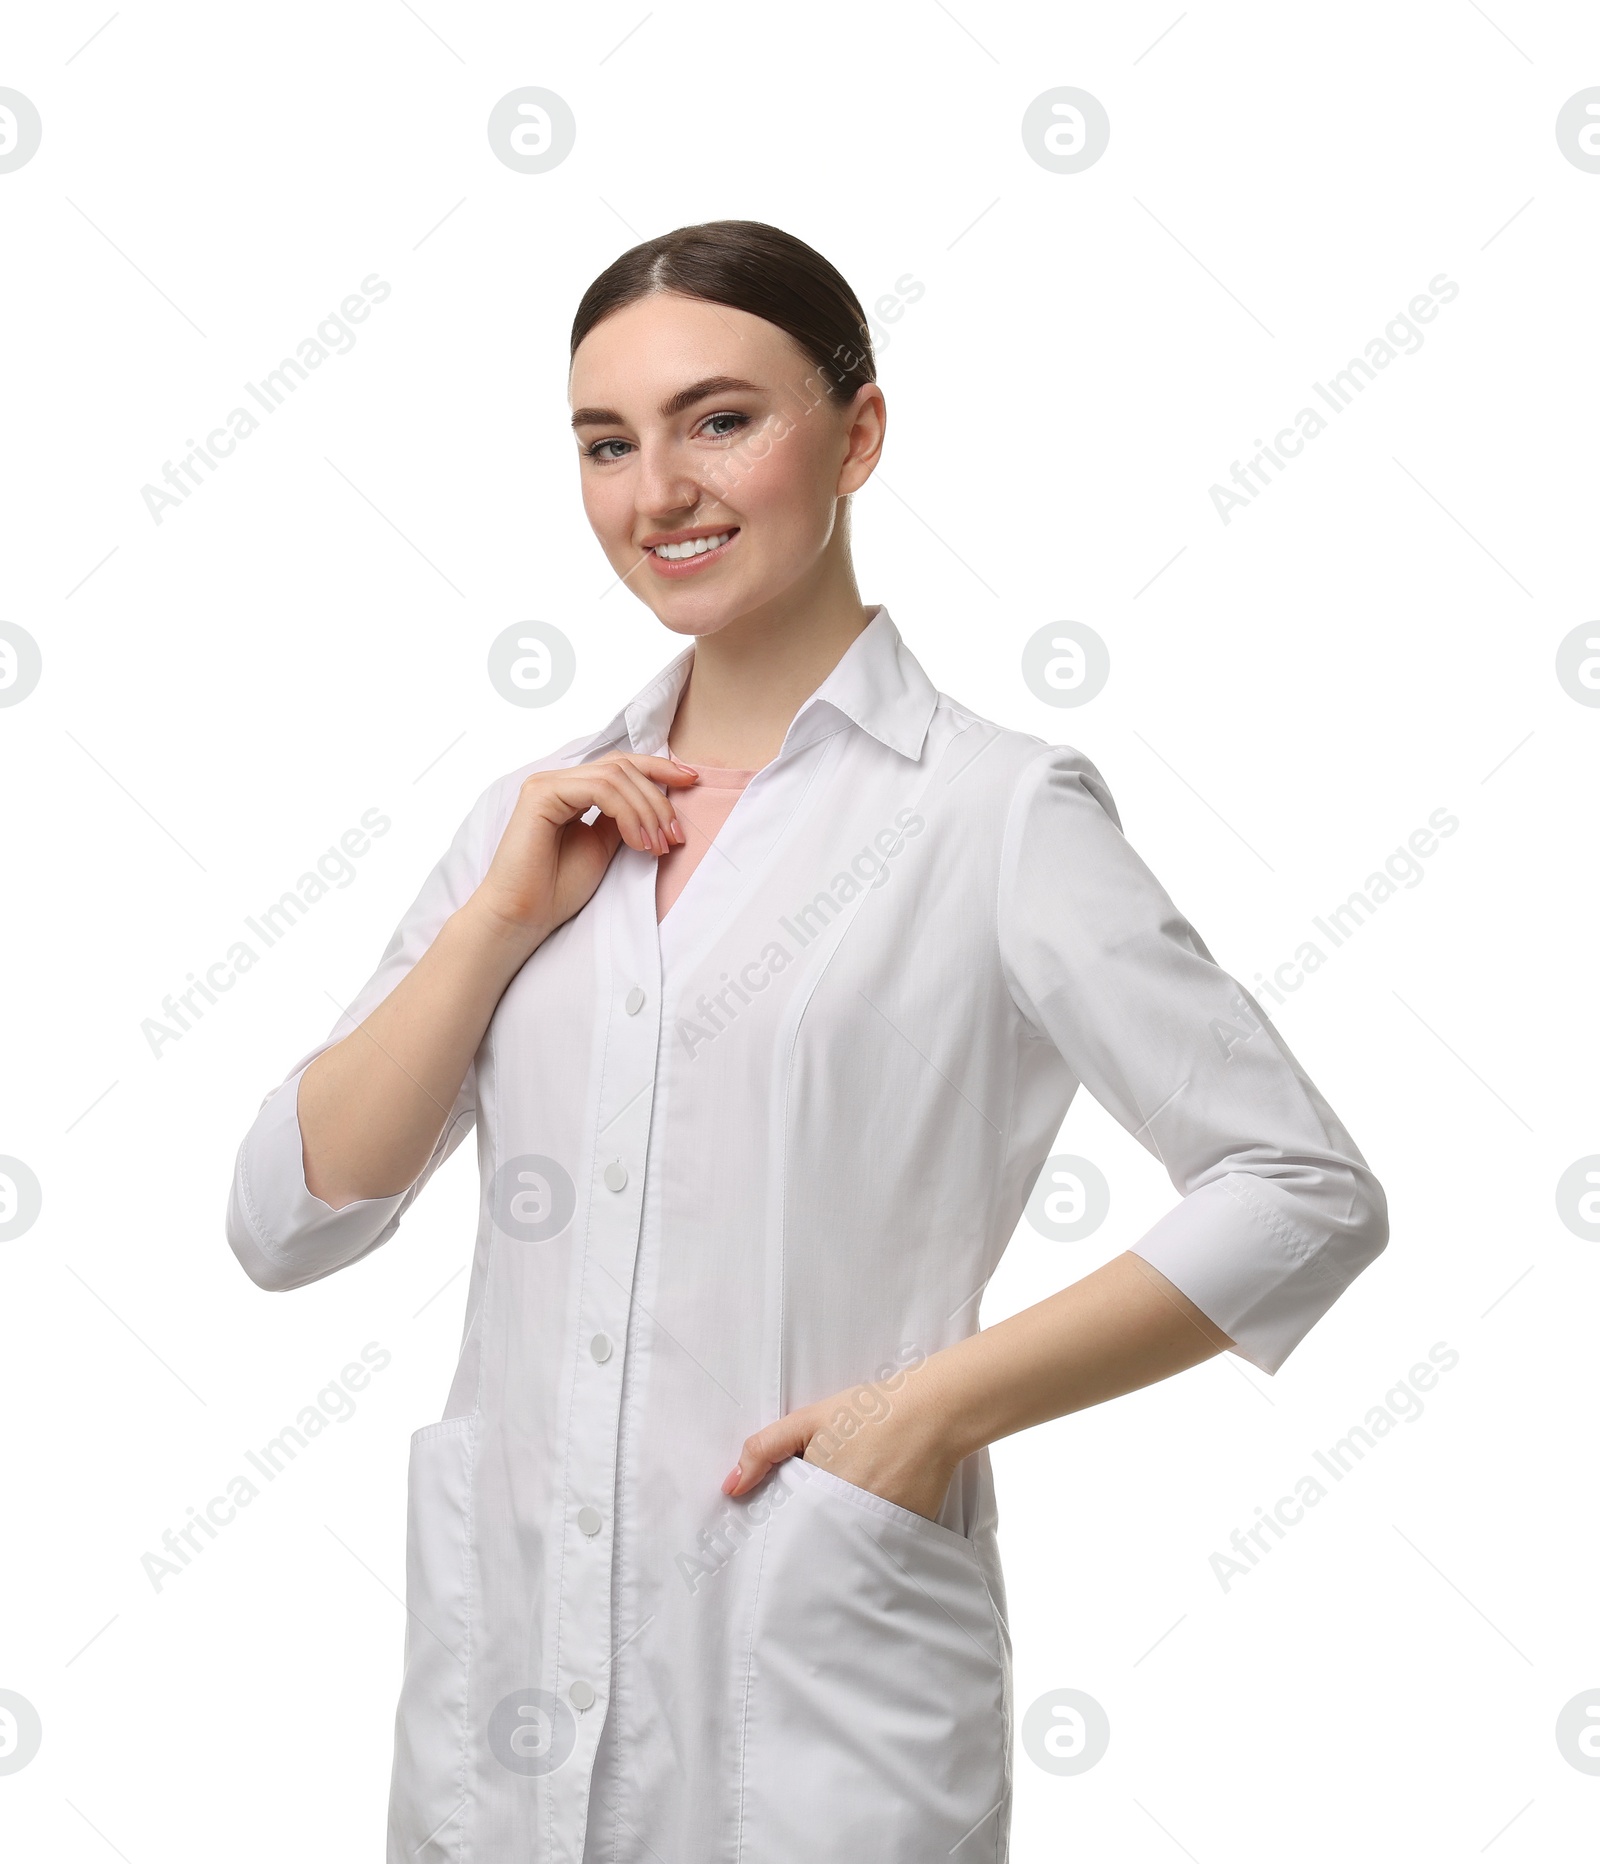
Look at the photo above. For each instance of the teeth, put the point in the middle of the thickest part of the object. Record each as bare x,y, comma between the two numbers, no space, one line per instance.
696,547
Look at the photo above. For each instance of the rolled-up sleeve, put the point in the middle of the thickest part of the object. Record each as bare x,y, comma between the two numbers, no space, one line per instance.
1280,1211
282,1233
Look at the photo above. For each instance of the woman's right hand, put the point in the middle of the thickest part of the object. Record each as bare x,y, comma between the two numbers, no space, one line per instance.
549,863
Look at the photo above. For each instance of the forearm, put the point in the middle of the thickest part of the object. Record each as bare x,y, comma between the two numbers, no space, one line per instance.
1121,1327
372,1106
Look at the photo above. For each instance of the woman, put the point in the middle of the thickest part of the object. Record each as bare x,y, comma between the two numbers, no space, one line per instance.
767,1000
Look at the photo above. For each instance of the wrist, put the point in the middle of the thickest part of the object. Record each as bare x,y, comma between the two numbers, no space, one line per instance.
507,940
931,1414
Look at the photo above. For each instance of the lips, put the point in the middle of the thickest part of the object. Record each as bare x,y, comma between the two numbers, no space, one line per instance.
677,567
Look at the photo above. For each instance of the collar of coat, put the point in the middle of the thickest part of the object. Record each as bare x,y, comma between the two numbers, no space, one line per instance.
878,685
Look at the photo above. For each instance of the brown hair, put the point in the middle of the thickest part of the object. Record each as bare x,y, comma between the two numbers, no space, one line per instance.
751,267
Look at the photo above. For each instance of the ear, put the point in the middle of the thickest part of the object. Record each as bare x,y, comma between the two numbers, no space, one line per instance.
865,424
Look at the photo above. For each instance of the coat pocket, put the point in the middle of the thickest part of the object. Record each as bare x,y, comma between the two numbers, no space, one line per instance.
427,1798
880,1505
877,1721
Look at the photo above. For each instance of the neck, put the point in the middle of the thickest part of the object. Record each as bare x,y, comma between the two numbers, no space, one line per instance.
749,678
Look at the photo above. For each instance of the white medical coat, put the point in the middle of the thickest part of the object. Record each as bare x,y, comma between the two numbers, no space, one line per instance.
769,1149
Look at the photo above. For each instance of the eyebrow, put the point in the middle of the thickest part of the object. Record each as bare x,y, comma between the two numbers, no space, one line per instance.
674,404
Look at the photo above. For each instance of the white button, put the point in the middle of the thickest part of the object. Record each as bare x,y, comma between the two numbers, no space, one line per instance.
616,1175
633,1003
600,1346
582,1694
589,1520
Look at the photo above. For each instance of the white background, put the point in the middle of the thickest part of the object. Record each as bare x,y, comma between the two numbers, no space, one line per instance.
1292,694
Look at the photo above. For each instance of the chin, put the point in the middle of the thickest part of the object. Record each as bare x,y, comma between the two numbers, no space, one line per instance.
700,621
693,612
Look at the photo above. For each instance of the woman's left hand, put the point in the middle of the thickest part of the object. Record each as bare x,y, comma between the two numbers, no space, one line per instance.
879,1438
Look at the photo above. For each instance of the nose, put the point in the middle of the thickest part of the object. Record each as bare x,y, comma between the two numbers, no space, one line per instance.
665,490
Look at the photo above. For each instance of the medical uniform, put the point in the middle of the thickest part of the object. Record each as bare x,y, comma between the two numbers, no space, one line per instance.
733,1162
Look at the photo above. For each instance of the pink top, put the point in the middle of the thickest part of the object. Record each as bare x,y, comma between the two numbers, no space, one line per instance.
701,811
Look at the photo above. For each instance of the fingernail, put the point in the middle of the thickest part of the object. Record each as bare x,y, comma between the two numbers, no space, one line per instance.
677,832
683,766
731,1480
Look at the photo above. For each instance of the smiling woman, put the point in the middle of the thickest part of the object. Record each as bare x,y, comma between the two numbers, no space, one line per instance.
901,937
726,489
